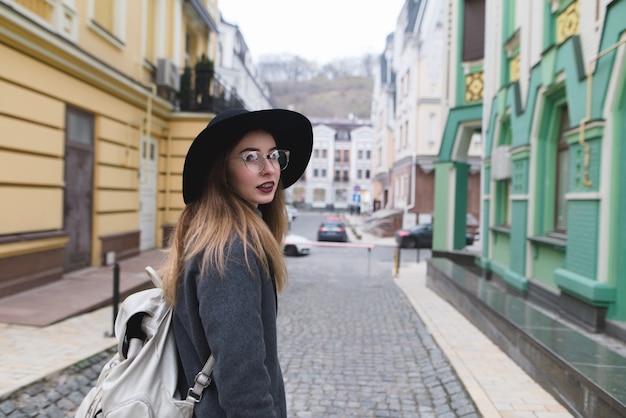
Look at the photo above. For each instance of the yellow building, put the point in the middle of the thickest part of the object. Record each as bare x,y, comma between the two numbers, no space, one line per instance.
95,121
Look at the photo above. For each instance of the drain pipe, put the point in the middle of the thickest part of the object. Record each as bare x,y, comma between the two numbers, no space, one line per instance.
168,174
581,136
152,94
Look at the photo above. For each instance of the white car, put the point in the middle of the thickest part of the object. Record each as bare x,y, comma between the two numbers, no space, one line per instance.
294,245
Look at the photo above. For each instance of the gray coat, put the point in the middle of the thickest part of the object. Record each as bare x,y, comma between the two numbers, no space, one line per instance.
235,319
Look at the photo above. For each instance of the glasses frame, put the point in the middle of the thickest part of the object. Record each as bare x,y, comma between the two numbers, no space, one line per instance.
264,158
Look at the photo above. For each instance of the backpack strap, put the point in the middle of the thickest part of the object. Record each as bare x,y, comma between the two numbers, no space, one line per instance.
201,381
203,378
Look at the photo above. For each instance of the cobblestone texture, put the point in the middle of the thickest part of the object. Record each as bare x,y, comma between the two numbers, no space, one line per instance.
351,345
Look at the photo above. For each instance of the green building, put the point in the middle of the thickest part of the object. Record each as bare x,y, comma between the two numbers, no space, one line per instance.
547,94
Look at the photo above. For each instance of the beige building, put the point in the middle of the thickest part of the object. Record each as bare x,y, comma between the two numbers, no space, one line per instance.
409,106
95,122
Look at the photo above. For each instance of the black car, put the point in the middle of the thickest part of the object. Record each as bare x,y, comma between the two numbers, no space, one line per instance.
421,236
332,230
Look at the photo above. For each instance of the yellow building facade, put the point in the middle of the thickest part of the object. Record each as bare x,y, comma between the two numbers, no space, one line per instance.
92,139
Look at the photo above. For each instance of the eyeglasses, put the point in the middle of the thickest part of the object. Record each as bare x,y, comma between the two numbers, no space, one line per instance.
255,160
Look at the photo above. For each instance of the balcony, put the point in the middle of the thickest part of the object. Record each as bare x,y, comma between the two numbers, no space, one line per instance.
202,91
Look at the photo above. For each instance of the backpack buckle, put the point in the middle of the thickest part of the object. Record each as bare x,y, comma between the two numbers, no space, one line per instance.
203,380
197,397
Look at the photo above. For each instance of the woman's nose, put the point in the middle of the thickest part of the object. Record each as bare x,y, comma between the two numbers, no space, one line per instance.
270,166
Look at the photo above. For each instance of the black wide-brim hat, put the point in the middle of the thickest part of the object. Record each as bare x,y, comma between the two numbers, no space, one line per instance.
291,130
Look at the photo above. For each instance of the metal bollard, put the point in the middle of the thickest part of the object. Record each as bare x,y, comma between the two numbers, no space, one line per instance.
369,261
397,261
116,297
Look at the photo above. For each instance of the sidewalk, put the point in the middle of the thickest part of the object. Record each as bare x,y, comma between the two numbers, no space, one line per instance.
29,353
52,327
498,386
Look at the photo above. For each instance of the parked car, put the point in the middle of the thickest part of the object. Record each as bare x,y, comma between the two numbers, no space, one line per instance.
421,236
295,245
334,230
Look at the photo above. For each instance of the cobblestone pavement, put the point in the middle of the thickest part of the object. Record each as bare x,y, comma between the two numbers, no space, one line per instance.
351,345
58,395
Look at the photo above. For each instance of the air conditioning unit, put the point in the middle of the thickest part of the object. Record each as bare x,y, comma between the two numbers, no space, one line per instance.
501,163
167,74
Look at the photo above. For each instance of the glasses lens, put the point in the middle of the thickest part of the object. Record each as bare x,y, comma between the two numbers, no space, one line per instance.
254,161
283,159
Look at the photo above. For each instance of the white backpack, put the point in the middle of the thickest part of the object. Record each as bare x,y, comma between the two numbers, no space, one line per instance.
141,378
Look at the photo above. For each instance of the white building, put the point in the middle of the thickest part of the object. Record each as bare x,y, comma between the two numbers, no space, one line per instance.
235,68
383,117
409,106
339,175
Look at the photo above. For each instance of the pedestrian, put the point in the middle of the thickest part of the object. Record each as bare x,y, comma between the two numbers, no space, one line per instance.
225,262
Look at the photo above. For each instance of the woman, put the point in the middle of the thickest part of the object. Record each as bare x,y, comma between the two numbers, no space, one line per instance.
225,261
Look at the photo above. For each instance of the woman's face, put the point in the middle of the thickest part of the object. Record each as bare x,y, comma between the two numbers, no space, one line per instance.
255,187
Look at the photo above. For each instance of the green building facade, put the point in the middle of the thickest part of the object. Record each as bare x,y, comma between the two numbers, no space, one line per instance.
552,115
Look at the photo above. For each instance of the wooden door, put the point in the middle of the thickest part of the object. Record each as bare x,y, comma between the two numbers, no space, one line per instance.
78,193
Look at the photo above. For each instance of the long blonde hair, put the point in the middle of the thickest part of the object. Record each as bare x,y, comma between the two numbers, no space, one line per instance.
207,225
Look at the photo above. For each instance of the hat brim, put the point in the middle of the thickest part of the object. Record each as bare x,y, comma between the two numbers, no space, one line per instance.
292,131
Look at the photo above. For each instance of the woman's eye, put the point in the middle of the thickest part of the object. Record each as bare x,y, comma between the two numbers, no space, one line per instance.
253,156
274,155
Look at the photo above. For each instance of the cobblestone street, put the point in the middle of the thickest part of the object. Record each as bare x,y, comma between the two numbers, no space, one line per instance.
351,345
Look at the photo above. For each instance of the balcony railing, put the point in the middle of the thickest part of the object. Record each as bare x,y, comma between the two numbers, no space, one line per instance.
202,91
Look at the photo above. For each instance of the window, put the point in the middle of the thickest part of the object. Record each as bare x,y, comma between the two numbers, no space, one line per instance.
405,138
553,171
315,172
342,135
108,18
337,155
368,154
345,176
500,166
79,127
360,154
503,193
103,14
341,196
337,175
323,172
367,174
346,155
151,34
316,153
324,153
562,174
473,30
359,174
319,195
431,128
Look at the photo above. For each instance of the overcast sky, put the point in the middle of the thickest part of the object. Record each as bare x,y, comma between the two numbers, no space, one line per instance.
320,30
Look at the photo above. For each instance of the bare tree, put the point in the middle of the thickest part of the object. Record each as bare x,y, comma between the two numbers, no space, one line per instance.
286,67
